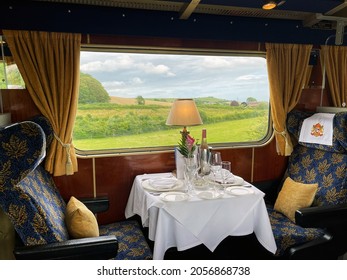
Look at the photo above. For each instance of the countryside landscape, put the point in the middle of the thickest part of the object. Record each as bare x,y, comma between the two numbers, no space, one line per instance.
110,122
123,123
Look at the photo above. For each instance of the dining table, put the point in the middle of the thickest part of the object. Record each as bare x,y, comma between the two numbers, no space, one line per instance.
182,219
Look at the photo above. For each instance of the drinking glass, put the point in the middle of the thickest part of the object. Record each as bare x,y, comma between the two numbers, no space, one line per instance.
191,168
226,165
216,164
226,170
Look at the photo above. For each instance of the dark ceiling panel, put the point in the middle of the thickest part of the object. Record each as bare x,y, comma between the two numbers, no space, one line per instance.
275,26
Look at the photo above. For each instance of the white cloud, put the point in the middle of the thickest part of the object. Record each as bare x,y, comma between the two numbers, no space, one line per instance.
249,77
130,75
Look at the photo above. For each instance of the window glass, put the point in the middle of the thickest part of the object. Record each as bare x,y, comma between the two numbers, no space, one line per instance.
125,98
10,76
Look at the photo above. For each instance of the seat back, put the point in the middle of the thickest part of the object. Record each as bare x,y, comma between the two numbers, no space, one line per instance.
27,192
312,163
326,165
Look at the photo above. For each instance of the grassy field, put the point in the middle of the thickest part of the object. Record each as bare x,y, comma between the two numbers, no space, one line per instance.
230,131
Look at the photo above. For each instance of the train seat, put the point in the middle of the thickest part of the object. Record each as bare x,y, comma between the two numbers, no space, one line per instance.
31,201
316,182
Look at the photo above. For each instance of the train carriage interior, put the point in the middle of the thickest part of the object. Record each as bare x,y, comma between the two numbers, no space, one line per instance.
82,146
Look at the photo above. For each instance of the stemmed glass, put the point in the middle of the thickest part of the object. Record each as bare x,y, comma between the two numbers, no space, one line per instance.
190,170
216,164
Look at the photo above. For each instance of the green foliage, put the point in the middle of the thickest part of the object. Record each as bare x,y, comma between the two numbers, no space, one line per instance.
251,99
91,90
101,120
2,76
140,100
14,77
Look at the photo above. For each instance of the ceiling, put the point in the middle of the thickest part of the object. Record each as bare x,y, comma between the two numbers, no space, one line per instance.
303,10
298,21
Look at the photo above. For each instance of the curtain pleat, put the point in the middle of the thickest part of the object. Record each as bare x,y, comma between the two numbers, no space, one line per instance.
334,61
288,70
49,64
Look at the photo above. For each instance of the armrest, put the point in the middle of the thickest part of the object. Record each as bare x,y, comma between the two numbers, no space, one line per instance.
312,249
322,216
94,248
96,204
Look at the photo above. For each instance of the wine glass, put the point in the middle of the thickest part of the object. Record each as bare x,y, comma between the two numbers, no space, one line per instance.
216,164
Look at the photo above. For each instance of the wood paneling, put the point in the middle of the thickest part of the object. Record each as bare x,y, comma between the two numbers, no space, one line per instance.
19,103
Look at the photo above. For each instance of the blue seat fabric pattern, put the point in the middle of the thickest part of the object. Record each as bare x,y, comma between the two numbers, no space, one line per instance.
312,163
132,245
31,200
27,193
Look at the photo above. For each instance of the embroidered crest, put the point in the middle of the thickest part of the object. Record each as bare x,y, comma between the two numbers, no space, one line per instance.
317,130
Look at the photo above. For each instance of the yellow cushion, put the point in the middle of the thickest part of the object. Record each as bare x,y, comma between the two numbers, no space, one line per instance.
80,221
293,196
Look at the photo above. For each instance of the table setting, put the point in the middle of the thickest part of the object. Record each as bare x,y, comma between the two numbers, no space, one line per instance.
218,183
183,216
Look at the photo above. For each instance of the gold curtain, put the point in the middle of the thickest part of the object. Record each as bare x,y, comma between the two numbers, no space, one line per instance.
334,60
287,70
49,64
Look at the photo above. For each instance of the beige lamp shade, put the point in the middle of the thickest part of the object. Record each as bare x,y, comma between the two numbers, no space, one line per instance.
184,113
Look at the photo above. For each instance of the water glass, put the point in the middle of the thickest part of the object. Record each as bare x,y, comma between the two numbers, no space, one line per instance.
190,171
226,165
226,170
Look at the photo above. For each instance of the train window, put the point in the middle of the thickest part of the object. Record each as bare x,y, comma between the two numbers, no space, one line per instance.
125,98
10,76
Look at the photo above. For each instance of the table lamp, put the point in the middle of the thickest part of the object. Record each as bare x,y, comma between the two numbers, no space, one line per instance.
184,113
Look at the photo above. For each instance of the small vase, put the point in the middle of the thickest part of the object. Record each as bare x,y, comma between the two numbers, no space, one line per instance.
180,164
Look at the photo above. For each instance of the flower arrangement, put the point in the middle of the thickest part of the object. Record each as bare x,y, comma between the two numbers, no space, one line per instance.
187,145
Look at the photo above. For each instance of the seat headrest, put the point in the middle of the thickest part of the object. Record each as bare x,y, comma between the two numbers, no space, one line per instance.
46,127
22,149
339,144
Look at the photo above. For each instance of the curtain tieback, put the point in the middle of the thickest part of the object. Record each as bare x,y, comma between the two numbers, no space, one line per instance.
67,147
288,145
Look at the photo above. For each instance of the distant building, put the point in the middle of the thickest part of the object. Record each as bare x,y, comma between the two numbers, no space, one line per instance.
234,103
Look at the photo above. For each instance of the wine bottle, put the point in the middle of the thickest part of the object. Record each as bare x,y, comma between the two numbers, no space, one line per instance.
204,154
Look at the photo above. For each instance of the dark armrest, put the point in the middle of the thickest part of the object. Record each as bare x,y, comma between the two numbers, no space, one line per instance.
322,216
94,248
311,250
96,204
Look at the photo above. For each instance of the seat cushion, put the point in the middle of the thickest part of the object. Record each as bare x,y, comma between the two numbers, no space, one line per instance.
132,244
288,234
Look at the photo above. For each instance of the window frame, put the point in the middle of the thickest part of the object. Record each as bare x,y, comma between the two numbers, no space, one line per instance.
179,51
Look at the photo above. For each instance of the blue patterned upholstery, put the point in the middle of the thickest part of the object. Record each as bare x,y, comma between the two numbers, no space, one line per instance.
313,163
132,244
29,197
28,194
287,233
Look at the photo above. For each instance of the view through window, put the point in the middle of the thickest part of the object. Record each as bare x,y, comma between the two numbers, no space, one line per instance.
125,98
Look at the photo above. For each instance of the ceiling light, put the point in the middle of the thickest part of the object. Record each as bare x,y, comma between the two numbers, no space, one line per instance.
269,5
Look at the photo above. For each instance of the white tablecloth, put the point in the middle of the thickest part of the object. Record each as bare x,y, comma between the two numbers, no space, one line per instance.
197,221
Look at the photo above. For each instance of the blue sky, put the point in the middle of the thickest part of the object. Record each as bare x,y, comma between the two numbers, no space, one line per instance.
178,76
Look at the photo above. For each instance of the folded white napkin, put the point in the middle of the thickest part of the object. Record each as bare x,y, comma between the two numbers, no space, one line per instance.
163,183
